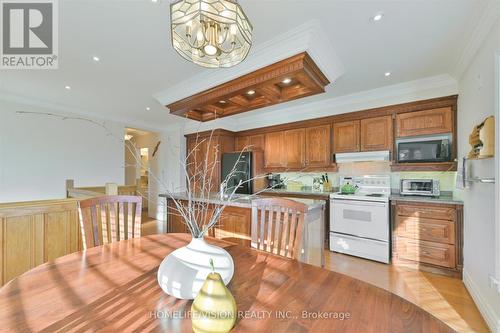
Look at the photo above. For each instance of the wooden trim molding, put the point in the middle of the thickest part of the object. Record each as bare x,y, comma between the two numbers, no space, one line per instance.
232,97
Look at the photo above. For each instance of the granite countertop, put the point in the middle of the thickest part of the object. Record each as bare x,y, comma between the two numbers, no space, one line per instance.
446,198
306,190
244,201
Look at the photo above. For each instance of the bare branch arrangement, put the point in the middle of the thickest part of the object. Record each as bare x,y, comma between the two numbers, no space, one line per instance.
205,203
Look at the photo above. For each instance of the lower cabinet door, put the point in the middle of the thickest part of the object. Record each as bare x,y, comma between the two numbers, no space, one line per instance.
426,252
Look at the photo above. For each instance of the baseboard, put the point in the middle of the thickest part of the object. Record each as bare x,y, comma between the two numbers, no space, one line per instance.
486,310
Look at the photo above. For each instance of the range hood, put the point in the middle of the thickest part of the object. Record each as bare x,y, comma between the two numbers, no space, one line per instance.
383,155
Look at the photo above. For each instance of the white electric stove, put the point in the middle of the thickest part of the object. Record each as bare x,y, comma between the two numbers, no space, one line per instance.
359,222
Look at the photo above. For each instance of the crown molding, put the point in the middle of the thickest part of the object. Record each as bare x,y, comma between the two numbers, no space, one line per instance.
430,87
488,18
67,110
309,37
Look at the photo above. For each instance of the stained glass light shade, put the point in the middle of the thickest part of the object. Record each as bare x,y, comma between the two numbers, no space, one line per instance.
210,33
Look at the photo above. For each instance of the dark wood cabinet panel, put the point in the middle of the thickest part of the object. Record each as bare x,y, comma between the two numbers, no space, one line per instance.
295,148
318,146
376,134
346,137
274,156
435,121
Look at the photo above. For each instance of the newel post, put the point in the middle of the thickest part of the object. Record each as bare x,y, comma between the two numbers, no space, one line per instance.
111,189
70,184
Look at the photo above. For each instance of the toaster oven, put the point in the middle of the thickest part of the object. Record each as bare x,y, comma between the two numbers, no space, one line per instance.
422,187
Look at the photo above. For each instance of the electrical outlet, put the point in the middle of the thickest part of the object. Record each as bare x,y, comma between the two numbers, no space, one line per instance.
494,283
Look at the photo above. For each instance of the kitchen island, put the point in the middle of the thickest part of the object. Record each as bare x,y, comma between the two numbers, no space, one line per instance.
236,223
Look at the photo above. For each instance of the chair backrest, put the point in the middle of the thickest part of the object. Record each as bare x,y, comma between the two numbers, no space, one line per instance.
277,226
109,219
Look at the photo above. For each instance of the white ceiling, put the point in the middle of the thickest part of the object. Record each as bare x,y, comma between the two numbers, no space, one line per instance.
415,39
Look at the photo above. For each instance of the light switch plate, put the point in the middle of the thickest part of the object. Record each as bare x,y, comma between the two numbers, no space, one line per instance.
494,283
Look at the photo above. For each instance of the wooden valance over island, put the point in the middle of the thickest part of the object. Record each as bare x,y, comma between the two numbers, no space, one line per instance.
236,223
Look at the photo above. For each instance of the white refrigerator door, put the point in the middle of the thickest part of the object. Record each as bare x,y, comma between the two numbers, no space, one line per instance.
360,218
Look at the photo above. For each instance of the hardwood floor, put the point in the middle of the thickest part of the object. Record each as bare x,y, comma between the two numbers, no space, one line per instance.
444,297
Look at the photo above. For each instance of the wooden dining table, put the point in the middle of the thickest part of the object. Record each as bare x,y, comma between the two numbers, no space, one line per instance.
113,288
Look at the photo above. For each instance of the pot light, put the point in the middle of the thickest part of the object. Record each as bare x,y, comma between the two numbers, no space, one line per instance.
222,102
287,81
251,92
387,74
67,87
148,108
96,59
377,17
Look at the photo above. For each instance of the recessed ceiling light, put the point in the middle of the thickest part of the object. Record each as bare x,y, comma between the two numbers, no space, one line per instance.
251,92
148,108
377,17
96,59
155,1
222,102
67,87
287,81
388,74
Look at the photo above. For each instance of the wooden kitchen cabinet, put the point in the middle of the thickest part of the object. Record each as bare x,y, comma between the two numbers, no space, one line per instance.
318,146
241,142
253,142
376,134
295,148
234,224
428,236
428,122
274,150
204,152
346,136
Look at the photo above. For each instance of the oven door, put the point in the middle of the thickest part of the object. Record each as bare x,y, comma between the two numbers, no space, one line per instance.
368,219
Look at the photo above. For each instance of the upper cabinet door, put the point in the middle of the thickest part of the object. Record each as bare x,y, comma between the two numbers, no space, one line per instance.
257,142
295,148
241,143
376,134
274,156
435,121
318,146
346,136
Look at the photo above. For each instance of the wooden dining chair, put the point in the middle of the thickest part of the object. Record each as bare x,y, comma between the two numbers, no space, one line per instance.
109,219
277,226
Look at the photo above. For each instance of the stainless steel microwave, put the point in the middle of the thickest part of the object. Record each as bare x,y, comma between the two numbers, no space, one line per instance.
422,187
424,149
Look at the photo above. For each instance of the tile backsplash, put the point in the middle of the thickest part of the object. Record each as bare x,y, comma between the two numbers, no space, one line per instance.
446,178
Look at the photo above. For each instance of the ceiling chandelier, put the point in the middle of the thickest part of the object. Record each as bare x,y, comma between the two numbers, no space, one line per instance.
211,33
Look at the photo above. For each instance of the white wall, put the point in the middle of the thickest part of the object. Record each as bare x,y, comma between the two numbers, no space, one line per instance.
38,153
476,102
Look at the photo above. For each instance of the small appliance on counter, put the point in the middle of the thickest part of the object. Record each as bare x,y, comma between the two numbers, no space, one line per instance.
421,187
274,181
424,149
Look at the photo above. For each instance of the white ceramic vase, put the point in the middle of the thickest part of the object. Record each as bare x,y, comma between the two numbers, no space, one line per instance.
182,273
